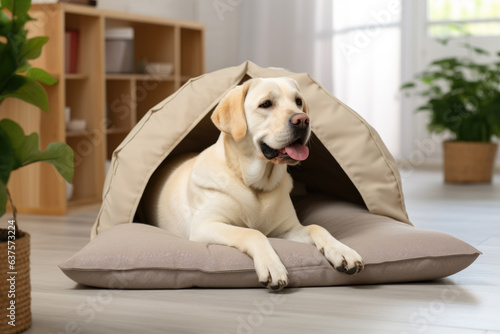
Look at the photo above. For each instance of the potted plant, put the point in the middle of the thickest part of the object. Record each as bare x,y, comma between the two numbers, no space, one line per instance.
19,80
462,96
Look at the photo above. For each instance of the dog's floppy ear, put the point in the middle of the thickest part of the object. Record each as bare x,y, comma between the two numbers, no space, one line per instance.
229,116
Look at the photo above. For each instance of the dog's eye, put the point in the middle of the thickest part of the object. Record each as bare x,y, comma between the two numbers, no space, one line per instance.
298,101
266,104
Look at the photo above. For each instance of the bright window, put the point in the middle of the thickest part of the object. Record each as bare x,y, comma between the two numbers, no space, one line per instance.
367,62
474,17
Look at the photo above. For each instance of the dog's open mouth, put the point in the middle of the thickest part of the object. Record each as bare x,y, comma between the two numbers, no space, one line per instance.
294,151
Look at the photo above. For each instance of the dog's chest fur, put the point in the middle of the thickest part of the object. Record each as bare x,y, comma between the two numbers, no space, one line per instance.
263,209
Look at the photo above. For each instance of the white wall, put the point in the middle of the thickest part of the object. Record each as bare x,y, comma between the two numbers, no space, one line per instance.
292,34
222,29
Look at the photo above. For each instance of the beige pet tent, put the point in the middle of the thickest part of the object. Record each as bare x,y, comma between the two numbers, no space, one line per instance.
353,188
348,159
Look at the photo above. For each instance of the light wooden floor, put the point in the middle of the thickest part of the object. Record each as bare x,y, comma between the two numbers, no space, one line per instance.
471,213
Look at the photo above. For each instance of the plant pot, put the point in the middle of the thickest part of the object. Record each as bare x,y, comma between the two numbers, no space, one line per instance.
469,162
15,284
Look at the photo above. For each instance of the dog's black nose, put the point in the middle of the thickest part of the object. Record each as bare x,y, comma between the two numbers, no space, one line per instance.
300,121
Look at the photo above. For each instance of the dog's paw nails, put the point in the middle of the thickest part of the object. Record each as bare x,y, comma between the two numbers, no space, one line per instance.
343,267
358,266
351,271
280,286
271,274
272,286
344,259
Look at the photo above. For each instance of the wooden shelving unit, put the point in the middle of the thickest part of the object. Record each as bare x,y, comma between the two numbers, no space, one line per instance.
111,104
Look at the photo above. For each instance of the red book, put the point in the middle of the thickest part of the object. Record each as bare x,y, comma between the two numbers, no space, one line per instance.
67,46
71,50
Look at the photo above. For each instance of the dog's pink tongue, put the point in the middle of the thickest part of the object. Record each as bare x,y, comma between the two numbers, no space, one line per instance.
297,151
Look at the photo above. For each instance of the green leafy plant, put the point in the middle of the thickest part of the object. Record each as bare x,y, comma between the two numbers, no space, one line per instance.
19,80
461,94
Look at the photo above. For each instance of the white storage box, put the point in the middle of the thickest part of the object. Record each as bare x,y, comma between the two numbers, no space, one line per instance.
120,50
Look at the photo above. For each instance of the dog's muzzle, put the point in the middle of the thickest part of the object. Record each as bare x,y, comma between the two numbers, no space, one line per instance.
296,150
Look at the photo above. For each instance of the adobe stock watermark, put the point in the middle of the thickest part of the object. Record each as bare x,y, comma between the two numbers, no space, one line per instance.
425,148
11,273
262,308
222,7
88,310
361,39
424,316
266,307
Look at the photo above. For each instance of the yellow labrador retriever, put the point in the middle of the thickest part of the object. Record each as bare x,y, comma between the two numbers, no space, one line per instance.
237,191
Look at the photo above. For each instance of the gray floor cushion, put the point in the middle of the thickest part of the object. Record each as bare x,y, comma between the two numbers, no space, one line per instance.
139,256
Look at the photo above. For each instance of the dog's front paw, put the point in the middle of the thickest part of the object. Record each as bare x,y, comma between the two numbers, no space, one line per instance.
271,272
343,258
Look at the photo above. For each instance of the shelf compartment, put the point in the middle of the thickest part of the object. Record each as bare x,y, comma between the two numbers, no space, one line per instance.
148,49
88,28
87,149
79,99
192,56
120,110
113,139
150,93
120,104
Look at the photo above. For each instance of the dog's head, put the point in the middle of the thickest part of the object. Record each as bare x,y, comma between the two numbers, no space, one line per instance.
270,113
